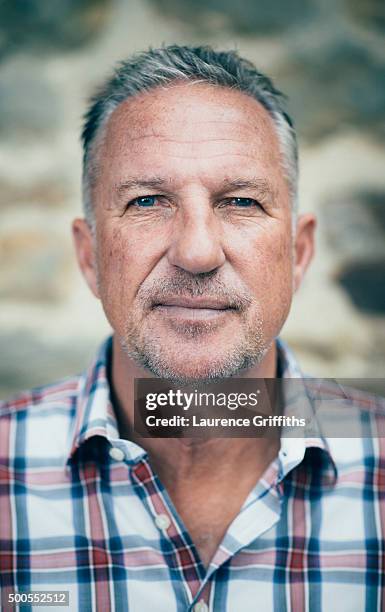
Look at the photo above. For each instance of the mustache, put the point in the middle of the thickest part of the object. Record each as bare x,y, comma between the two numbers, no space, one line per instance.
184,284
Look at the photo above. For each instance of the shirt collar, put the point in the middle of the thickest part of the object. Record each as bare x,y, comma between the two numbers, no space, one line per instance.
95,417
298,401
94,414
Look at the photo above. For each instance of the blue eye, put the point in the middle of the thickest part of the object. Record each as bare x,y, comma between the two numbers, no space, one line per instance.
244,202
145,201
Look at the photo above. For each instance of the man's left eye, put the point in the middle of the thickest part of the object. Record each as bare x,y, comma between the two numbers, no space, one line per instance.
244,202
145,201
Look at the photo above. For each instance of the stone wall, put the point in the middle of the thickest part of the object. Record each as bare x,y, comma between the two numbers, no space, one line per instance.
326,54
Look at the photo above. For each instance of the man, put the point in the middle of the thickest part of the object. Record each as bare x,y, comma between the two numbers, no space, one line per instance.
192,242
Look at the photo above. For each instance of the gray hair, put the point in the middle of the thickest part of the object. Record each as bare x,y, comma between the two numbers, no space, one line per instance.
168,64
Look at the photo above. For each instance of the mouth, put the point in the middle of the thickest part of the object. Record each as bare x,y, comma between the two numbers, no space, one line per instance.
193,309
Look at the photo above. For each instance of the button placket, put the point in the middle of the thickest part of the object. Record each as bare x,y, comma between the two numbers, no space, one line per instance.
183,557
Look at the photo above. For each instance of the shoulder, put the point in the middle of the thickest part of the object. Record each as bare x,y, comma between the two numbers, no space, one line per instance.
36,425
349,394
352,421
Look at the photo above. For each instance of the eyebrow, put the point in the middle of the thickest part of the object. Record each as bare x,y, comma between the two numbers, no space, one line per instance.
151,182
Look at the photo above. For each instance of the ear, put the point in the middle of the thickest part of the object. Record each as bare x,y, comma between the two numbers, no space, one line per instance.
303,246
85,253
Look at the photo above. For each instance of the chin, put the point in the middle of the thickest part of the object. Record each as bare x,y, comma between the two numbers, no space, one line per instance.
186,366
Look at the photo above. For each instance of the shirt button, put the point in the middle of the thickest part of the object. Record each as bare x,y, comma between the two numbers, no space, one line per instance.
162,521
116,453
201,606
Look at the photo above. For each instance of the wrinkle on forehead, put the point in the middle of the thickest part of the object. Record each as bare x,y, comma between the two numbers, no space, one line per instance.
181,110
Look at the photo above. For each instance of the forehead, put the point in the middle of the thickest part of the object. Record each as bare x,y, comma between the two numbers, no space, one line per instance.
191,128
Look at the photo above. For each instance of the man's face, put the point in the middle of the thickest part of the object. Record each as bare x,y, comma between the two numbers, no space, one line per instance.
194,256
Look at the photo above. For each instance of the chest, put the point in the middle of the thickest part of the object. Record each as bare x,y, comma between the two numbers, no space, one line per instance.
206,536
207,520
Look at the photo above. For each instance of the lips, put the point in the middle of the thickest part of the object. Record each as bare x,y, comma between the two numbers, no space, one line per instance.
196,303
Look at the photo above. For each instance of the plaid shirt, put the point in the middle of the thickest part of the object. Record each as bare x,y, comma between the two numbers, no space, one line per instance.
82,510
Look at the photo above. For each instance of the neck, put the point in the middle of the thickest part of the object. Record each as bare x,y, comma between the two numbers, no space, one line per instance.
174,457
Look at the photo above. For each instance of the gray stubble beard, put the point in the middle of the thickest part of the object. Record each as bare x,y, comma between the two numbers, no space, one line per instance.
148,354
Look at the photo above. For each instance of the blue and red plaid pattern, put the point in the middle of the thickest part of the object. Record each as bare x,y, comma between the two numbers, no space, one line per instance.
73,516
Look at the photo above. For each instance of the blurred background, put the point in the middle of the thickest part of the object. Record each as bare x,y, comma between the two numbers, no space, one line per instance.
327,55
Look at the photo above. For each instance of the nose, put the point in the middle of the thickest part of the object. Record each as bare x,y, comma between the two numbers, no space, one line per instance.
196,242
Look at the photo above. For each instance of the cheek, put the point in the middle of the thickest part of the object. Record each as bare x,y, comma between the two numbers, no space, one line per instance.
117,258
270,266
112,254
280,254
125,256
